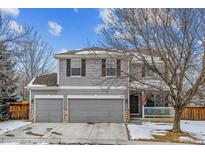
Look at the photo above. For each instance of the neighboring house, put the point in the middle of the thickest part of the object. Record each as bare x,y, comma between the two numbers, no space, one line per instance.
91,85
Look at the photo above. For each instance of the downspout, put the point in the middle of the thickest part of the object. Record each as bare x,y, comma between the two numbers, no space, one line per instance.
142,106
30,99
128,86
58,65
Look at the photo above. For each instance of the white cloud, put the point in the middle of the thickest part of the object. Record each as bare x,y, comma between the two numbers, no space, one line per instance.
54,28
62,51
99,28
15,27
75,10
199,42
10,11
106,16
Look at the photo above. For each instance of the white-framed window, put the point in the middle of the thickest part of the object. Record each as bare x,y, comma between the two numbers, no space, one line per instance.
76,67
111,67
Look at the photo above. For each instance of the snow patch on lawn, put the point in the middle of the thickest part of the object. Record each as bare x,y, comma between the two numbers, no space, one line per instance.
139,132
196,128
146,130
186,138
6,126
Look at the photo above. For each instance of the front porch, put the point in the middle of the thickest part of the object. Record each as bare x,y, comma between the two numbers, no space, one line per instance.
149,104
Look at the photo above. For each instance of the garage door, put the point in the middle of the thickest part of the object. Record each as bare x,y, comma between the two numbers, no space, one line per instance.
95,110
49,110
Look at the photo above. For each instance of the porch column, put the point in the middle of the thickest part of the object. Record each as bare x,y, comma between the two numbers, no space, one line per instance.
142,106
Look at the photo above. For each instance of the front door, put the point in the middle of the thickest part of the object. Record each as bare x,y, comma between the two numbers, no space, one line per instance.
134,104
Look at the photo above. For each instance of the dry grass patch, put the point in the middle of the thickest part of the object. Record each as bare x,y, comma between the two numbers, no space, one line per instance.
174,137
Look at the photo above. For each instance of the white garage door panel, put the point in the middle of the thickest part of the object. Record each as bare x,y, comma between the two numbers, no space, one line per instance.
49,110
95,110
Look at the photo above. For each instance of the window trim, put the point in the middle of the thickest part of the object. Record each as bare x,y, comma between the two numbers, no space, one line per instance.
71,73
114,68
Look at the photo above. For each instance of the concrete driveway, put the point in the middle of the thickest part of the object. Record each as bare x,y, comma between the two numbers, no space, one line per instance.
68,133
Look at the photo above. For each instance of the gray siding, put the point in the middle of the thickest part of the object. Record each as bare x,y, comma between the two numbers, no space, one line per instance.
93,75
80,92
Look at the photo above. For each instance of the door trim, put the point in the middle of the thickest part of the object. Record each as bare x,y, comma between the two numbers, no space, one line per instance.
47,97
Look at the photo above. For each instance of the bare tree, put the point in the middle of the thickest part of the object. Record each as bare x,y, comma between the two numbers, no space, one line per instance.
12,35
11,39
175,36
32,56
35,60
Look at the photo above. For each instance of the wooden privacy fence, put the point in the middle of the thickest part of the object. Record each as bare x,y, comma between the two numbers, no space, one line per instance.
19,110
193,113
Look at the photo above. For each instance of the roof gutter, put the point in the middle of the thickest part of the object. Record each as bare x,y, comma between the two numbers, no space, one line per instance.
43,87
92,56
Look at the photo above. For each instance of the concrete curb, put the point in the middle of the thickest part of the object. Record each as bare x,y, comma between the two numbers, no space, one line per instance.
72,141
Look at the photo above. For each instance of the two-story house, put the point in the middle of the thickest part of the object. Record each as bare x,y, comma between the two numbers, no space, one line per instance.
94,85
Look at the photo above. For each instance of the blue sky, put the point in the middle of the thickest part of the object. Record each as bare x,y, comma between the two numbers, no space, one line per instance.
69,28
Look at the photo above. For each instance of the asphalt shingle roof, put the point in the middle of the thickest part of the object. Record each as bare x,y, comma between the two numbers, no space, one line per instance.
48,80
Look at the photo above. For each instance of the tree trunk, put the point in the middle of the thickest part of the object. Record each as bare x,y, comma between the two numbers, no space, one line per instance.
177,118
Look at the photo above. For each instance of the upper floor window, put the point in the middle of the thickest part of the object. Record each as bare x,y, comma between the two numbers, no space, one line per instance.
111,67
75,67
